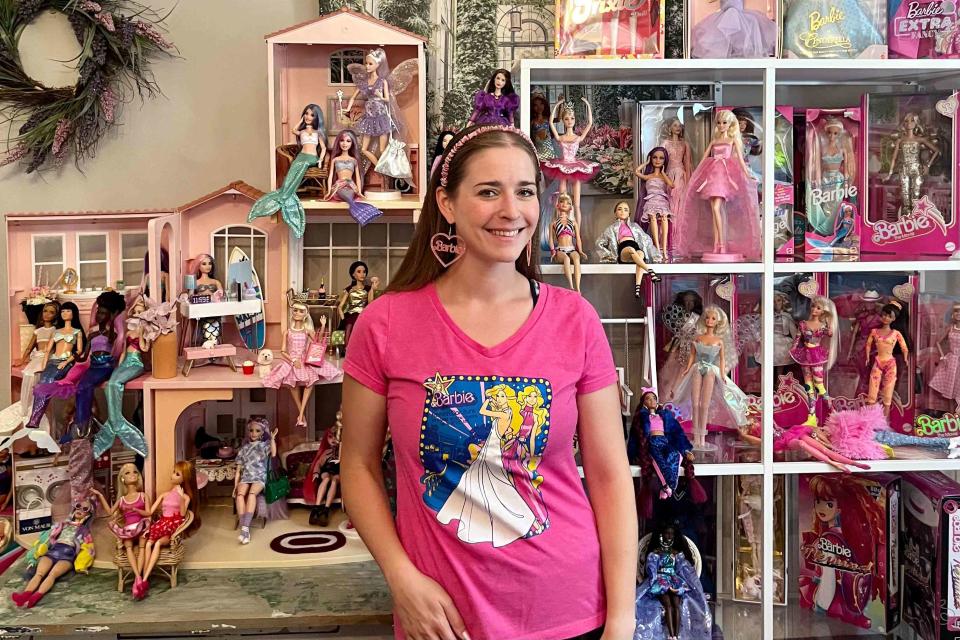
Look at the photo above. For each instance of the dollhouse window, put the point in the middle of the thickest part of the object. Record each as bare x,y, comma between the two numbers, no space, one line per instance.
330,247
48,258
133,247
251,240
339,61
92,260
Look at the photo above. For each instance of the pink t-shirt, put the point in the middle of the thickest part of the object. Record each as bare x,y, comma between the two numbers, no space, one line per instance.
489,500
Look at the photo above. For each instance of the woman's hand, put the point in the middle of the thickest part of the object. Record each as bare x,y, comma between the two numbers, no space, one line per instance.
425,610
619,629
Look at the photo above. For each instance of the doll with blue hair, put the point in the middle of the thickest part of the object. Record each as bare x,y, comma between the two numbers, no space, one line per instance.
312,139
68,546
253,465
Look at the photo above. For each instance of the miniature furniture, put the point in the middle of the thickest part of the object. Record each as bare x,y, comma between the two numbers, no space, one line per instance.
314,181
296,464
170,557
222,351
642,556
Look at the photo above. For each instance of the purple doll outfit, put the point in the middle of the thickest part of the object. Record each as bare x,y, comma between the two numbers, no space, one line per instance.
656,202
375,120
734,32
490,109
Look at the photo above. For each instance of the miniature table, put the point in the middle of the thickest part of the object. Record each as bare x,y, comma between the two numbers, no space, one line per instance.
224,351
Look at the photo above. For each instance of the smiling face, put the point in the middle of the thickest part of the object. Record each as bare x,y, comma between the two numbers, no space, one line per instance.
299,313
130,475
887,318
658,159
255,431
176,477
722,124
495,204
531,399
816,309
499,81
955,314
206,265
309,118
650,401
622,211
564,205
711,318
369,64
569,120
910,122
66,314
345,144
826,509
667,536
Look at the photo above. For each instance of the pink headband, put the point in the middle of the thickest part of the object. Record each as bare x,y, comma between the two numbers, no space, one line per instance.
452,151
644,390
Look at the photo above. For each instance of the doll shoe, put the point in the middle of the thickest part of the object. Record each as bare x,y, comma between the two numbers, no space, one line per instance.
822,390
654,277
301,422
20,598
811,421
636,291
244,535
33,599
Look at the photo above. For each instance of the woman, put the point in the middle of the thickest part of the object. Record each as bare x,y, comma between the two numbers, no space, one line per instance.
432,345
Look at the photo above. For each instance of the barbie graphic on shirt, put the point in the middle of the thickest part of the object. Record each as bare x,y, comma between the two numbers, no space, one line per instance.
481,441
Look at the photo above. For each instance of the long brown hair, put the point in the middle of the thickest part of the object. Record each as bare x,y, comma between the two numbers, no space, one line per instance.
189,484
420,267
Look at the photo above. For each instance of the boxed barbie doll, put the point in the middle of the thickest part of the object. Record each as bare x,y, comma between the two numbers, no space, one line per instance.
908,202
783,173
833,174
588,29
849,548
923,29
931,555
732,29
834,28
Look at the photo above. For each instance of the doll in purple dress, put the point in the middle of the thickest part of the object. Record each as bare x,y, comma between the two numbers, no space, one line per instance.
567,168
734,32
720,195
655,187
497,103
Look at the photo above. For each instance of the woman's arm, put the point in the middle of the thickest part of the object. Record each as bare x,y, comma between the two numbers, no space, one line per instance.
422,606
610,489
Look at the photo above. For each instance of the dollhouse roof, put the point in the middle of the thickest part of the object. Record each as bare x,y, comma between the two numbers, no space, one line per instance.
340,27
86,215
235,187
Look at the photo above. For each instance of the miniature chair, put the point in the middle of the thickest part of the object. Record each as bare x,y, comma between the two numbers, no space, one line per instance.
170,557
314,180
642,556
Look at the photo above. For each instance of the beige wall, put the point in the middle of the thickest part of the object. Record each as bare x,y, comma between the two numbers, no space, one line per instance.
210,128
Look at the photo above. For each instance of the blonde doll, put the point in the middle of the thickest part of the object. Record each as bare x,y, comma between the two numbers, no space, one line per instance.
815,350
565,245
567,168
132,503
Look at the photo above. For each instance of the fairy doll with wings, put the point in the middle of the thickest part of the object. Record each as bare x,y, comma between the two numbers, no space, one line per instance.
379,87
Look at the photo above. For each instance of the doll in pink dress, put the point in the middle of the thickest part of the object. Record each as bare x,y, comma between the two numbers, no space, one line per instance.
132,504
292,370
946,379
720,196
655,190
734,32
679,160
815,350
567,168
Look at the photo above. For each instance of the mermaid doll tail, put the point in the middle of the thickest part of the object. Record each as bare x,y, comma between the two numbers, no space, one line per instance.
116,425
129,435
362,212
285,198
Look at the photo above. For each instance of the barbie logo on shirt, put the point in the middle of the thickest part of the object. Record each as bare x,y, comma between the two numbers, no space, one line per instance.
481,441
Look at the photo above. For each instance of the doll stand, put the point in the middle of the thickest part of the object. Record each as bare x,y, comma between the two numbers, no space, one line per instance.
712,256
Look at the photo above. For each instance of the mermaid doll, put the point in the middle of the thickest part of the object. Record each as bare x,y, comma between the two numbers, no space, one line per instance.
497,103
625,242
129,367
567,168
705,391
883,374
836,170
946,379
32,357
540,126
908,149
679,160
132,503
312,140
349,185
655,188
734,32
815,350
720,196
63,351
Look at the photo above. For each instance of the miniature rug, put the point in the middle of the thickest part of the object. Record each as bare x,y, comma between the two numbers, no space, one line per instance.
308,542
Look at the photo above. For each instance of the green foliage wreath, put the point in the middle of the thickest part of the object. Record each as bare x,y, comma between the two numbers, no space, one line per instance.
118,38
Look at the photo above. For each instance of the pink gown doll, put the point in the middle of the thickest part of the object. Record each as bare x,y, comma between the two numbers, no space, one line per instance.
679,161
946,379
734,32
720,196
655,188
567,168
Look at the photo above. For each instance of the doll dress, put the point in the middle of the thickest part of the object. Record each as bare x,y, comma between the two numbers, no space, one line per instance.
134,524
567,166
734,32
287,375
728,404
810,356
946,379
375,120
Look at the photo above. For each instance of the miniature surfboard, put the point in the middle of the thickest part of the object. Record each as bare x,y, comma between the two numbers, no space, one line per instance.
251,325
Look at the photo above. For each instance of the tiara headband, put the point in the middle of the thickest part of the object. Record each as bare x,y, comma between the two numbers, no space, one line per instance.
452,151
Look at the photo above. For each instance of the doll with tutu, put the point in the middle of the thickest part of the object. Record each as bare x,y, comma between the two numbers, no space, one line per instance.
679,161
946,379
720,196
567,168
815,349
655,188
496,103
132,504
705,391
734,32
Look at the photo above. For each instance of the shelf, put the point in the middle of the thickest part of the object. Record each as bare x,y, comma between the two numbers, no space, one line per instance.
868,265
913,459
662,269
705,469
403,203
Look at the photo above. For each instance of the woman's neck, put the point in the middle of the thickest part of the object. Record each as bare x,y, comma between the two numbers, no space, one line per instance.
469,279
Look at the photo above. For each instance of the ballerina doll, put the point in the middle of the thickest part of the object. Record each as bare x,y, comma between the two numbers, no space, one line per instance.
132,504
720,195
565,246
325,475
946,379
497,103
784,332
625,242
671,603
129,367
705,392
655,188
679,160
174,505
355,297
567,168
836,170
540,126
815,350
312,143
883,374
292,370
734,32
909,149
379,88
349,185
253,461
67,546
204,270
63,350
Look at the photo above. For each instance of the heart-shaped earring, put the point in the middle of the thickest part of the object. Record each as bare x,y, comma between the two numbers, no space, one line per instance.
904,291
447,247
808,288
725,290
947,106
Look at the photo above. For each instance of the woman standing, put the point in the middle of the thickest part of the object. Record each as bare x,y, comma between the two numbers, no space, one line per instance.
464,329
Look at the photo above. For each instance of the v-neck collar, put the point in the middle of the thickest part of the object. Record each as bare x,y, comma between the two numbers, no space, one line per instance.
502,347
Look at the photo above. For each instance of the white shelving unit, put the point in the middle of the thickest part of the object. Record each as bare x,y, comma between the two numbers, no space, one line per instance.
769,82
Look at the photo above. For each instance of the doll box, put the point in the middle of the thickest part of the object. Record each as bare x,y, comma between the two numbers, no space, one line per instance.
39,484
923,29
849,548
604,29
756,29
832,181
837,29
929,228
931,555
783,174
